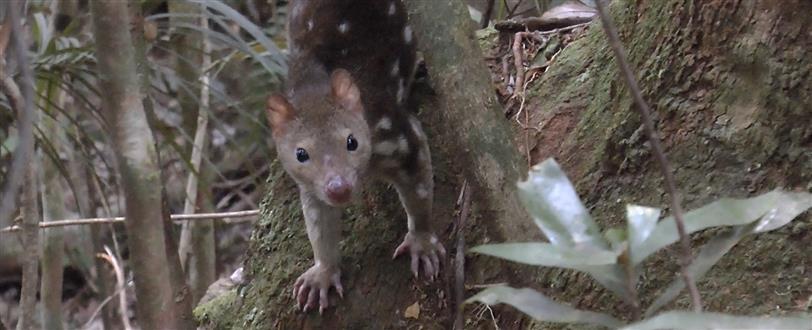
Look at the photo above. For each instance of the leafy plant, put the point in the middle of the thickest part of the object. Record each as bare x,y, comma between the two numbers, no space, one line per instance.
613,258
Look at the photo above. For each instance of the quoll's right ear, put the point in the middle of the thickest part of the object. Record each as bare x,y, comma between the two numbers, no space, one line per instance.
279,112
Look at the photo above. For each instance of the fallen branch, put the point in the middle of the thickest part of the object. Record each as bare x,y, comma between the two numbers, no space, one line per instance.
459,262
174,217
656,146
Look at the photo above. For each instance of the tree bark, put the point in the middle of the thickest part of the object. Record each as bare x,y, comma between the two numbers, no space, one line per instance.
183,298
54,245
21,100
157,294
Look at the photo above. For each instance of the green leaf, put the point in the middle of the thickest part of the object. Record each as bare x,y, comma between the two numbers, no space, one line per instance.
774,208
641,222
540,307
708,256
689,320
551,200
545,254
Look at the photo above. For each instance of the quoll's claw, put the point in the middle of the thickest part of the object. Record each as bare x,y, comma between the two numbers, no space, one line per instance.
423,248
314,285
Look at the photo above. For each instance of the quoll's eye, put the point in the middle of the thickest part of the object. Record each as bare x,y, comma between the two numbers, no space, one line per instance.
301,155
352,144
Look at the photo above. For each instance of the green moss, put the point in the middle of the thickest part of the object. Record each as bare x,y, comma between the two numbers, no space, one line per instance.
215,313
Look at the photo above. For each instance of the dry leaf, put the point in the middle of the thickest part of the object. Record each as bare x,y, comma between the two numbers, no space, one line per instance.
413,311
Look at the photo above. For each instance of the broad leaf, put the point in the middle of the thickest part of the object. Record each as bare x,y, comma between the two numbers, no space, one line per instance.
545,254
779,207
551,200
689,320
553,204
541,308
708,256
641,222
611,277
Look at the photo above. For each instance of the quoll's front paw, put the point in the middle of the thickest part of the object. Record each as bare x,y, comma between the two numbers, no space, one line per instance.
425,248
314,284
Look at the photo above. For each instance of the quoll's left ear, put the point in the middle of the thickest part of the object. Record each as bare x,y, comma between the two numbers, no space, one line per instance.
345,92
279,112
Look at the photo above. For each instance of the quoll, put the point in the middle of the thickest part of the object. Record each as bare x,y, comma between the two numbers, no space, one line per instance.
343,123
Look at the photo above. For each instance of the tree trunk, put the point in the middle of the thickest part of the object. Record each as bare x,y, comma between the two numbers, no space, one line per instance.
53,207
159,297
469,140
21,99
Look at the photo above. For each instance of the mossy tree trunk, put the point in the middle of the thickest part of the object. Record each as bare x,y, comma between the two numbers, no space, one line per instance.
730,86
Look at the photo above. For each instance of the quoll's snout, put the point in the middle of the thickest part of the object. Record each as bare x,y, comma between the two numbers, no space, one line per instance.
338,190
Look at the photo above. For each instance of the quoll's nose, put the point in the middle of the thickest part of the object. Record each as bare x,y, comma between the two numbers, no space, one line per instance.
338,190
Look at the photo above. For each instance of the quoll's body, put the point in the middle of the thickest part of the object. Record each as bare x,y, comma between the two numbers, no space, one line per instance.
343,123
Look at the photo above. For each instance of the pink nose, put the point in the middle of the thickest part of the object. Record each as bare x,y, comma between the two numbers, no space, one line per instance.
338,190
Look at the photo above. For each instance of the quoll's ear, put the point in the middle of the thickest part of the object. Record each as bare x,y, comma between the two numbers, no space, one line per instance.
345,92
279,112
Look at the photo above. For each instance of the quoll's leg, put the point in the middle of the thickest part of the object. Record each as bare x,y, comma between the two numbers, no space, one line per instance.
416,192
324,231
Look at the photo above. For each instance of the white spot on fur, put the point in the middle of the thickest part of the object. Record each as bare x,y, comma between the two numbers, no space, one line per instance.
395,68
401,91
422,192
417,129
392,8
344,52
407,34
385,148
403,145
297,9
344,27
422,157
384,124
310,24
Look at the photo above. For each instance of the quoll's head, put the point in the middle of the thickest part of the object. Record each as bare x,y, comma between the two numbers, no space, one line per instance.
323,142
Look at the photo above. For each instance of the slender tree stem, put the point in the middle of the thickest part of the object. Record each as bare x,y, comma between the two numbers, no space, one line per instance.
659,153
21,99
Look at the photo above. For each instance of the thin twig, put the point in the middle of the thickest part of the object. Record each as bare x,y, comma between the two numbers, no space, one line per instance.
518,62
198,149
654,139
120,285
459,288
103,303
175,217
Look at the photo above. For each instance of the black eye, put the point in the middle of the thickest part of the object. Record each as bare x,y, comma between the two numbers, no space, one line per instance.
301,155
352,144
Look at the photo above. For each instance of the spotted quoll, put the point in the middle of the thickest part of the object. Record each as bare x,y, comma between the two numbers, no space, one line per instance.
343,122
